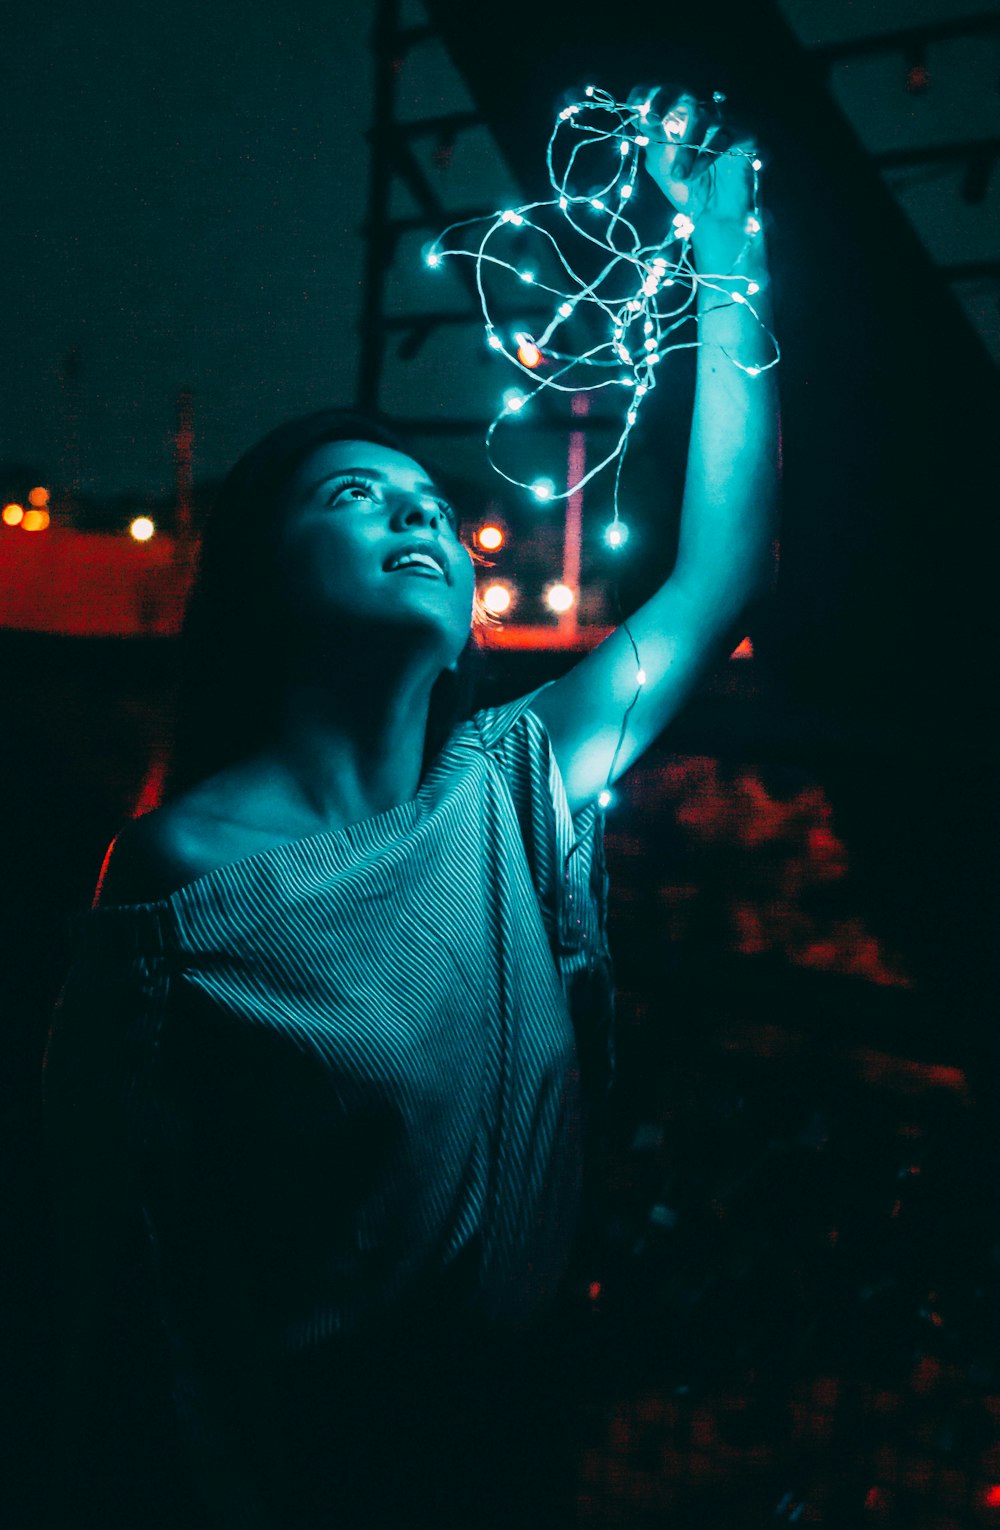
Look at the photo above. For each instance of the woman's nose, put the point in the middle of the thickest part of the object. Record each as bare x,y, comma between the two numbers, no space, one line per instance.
414,509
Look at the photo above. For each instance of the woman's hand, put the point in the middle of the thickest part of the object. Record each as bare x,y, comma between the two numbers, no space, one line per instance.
703,171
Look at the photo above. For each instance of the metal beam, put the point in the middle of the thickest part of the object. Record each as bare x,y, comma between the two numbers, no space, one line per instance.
925,154
905,40
379,244
452,427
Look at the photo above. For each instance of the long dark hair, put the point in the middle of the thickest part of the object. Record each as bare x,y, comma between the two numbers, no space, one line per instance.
231,668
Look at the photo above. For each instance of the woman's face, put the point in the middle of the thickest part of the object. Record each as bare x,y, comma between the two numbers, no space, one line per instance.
352,508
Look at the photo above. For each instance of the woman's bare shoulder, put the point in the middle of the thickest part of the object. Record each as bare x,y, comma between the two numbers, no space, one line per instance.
152,856
215,822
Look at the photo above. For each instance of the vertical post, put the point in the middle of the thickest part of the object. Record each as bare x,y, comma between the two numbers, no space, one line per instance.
387,49
575,469
70,376
183,462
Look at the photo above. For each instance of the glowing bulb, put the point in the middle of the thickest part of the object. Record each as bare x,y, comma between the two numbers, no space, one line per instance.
35,520
738,297
619,332
659,264
616,535
622,352
490,537
559,598
652,359
682,226
513,400
13,514
640,389
38,497
543,488
650,286
625,192
563,204
496,599
623,147
511,217
752,225
756,164
527,276
589,90
642,141
565,309
644,109
495,342
752,371
753,287
432,258
673,126
647,328
631,417
634,305
640,677
142,528
650,344
603,798
528,353
596,202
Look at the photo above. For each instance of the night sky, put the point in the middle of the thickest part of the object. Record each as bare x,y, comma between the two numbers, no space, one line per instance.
187,184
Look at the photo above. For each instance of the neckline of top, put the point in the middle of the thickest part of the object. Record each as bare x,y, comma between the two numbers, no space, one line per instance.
365,828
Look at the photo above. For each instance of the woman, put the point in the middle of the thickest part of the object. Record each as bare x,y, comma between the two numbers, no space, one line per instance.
327,1018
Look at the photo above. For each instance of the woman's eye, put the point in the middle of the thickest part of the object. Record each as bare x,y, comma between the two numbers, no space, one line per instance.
356,492
448,511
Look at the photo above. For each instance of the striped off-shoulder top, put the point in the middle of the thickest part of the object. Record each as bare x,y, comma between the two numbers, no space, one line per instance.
351,1063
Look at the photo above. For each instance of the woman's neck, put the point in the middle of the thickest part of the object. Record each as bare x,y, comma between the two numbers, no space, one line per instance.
351,751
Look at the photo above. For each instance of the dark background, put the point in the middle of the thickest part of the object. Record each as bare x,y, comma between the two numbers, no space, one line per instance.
811,1109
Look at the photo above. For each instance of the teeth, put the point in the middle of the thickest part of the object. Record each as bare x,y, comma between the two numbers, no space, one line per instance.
423,558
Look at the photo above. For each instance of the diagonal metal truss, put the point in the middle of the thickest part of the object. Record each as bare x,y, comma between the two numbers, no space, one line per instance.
979,156
392,158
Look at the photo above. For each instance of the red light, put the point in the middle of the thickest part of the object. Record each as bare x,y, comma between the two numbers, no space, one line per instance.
991,1496
594,1290
528,353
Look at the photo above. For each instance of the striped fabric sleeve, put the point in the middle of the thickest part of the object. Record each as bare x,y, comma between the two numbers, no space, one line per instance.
101,1105
566,857
95,1075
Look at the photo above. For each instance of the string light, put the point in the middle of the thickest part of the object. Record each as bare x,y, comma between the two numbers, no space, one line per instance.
643,297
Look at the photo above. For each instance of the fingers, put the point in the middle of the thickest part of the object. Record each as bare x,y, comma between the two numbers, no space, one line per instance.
692,126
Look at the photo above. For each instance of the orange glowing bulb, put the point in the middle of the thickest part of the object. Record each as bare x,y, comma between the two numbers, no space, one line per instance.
39,497
13,514
490,537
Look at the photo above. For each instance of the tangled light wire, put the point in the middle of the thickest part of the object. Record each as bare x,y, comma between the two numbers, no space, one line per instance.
641,298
